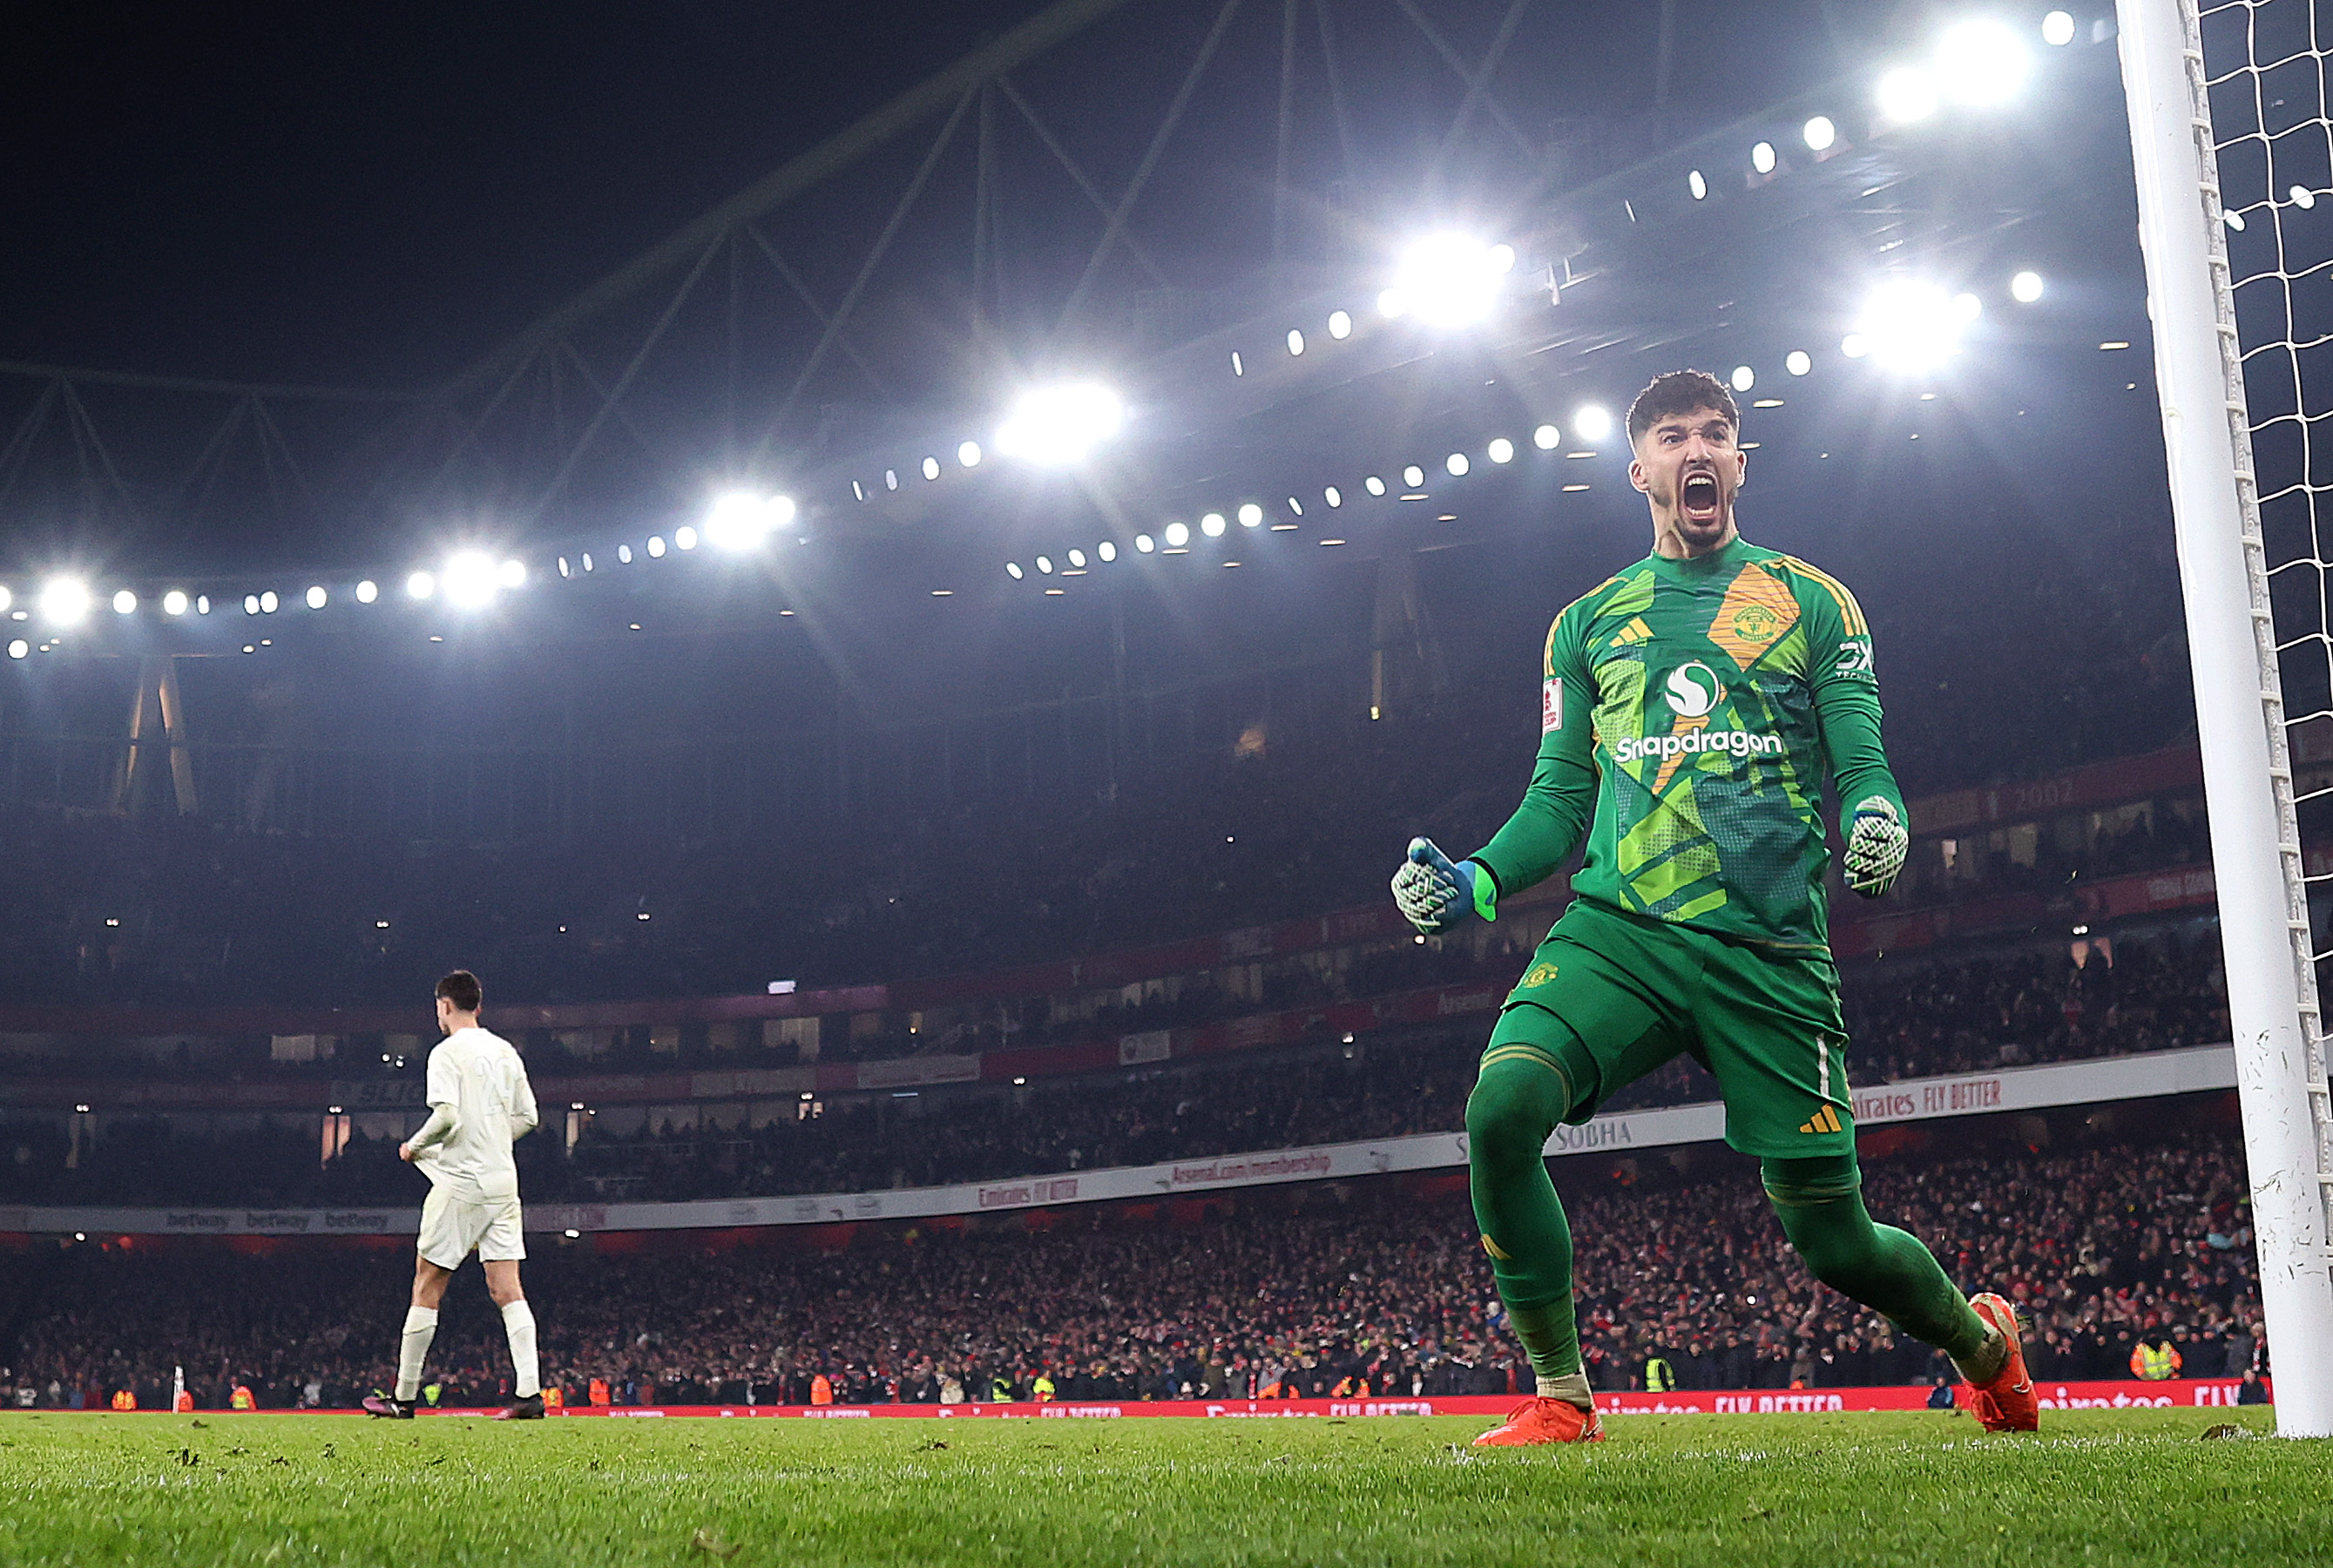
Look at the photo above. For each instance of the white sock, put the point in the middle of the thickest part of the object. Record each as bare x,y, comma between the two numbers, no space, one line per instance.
420,1328
1571,1389
518,1322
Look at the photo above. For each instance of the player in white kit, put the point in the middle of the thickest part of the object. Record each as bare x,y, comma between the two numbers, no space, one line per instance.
479,1103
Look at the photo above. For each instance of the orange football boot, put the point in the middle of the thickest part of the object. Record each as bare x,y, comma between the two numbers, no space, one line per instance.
2007,1403
1543,1420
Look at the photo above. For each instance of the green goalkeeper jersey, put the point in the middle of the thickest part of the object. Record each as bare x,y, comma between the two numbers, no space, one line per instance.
1710,696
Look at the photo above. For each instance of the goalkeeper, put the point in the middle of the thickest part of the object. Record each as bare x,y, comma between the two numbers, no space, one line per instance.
1709,687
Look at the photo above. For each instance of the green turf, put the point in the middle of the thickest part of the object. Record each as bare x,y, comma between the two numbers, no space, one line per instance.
2099,1487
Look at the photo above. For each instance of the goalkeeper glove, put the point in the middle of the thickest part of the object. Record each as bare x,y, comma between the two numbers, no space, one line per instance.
1876,845
1434,895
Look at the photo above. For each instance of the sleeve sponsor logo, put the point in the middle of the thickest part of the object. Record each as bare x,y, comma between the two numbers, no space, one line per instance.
1551,705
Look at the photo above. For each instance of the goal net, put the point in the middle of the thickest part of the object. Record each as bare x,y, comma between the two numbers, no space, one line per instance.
2233,151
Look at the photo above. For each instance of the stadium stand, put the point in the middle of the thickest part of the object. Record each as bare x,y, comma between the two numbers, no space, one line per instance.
2113,1238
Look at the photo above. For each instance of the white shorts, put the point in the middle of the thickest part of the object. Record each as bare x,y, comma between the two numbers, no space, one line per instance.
451,1229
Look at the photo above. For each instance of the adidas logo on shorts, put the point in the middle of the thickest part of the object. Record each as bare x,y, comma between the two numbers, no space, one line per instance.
1823,1121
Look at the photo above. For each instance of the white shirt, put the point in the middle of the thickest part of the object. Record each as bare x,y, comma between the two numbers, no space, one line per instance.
477,1079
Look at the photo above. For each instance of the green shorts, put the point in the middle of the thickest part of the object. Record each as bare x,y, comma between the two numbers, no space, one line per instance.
1611,997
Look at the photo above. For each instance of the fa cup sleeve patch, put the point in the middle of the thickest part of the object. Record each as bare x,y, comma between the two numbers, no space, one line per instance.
1550,706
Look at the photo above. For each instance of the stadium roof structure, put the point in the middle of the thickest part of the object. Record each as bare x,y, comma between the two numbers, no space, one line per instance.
810,336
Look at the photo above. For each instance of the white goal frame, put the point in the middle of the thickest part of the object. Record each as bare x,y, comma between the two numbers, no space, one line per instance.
2281,1054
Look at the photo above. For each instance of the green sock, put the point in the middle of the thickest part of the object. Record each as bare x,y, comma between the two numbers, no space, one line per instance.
1821,1205
1518,1099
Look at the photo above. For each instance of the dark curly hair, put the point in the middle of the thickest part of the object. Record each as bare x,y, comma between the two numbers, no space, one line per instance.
1680,392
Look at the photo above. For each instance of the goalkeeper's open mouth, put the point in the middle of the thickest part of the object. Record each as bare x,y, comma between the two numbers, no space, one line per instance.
1699,500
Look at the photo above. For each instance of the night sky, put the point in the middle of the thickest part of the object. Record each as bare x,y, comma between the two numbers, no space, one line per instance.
377,196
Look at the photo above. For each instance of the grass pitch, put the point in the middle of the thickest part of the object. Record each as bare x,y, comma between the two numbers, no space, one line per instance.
2098,1487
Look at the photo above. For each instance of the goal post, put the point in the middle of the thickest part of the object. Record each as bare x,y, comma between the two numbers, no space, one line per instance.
2236,651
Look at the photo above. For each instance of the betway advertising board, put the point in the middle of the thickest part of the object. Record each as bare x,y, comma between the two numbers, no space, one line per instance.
2154,1073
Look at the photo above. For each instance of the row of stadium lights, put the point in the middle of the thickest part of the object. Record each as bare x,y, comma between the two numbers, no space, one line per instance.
1443,281
1907,326
468,580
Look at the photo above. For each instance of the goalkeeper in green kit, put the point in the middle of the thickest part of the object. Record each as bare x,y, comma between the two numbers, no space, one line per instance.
1693,704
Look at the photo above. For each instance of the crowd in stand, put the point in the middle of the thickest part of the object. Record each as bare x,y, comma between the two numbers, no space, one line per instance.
1309,1291
1907,1020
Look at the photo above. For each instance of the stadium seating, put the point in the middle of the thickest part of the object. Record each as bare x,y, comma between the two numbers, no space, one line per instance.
2101,1244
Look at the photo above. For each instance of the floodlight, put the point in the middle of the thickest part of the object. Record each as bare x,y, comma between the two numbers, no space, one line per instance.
1295,342
125,603
742,519
368,591
1744,377
1078,559
1052,425
1334,496
1144,542
1500,450
65,600
202,604
1547,437
268,604
468,579
1761,158
19,649
174,602
512,575
1107,551
1012,569
656,546
317,597
1911,326
1045,564
1413,476
1592,423
2025,287
1798,362
1907,94
931,468
251,605
1340,325
1249,514
1982,61
1448,280
968,454
1457,465
684,537
6,598
1211,524
421,585
1178,535
2058,29
587,561
1373,484
1820,134
1698,186
1854,345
